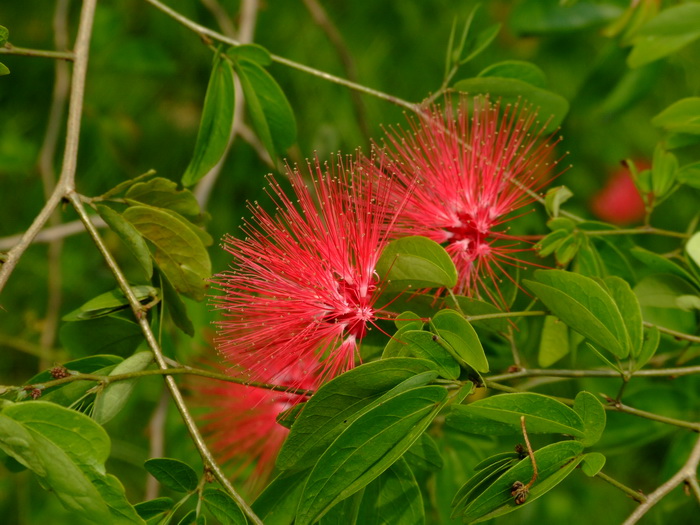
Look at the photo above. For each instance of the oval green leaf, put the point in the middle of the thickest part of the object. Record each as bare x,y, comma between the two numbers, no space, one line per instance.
459,334
518,69
223,507
110,302
592,463
172,473
592,413
112,399
416,262
130,236
628,305
160,192
426,346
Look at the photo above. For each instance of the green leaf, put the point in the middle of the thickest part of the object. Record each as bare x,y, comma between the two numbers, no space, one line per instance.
104,335
555,197
175,306
671,30
690,175
460,335
394,498
552,108
592,463
554,342
660,264
471,307
425,346
333,406
692,248
67,451
367,448
217,121
583,305
494,467
4,70
416,262
110,302
628,305
344,512
424,454
409,320
481,42
154,507
160,192
172,473
663,172
252,52
278,502
663,291
270,112
500,415
223,507
130,236
188,519
112,399
592,413
649,346
179,252
554,463
682,116
4,35
538,17
518,69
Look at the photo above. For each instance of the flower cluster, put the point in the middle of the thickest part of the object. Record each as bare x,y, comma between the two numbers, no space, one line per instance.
302,290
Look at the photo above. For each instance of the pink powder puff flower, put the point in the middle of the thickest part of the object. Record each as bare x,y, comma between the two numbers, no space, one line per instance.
302,285
241,421
463,176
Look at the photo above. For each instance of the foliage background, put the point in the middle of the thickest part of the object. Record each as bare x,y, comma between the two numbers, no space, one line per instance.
146,82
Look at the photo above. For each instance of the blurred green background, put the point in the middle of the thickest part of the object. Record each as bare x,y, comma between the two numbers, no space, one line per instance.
145,86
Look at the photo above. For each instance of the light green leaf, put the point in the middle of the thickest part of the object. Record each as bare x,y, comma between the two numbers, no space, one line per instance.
671,30
555,197
552,108
270,112
172,473
500,415
179,252
163,193
222,507
692,248
4,70
628,305
459,334
339,402
129,236
4,35
592,463
663,172
583,305
690,175
416,262
110,302
217,121
660,264
592,413
252,52
425,346
367,448
538,17
682,116
554,342
112,399
518,69
649,346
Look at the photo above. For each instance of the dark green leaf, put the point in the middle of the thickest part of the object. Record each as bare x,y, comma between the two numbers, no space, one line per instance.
424,454
628,305
163,193
495,466
110,302
179,252
682,116
154,507
554,342
331,408
592,463
367,448
552,108
583,305
222,507
426,346
521,70
289,416
129,236
175,306
172,473
252,52
474,307
112,399
270,111
344,512
104,335
592,413
189,518
500,415
4,35
669,31
481,42
459,334
278,502
554,462
416,262
215,126
394,498
690,175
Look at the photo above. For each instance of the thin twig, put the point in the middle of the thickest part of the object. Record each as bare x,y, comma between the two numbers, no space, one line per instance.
634,494
51,233
66,181
47,157
674,333
649,230
530,453
202,30
580,373
9,49
205,453
687,473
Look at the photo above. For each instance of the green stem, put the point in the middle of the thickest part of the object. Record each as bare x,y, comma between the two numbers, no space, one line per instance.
619,407
637,231
574,373
139,313
205,31
9,49
634,494
674,333
501,315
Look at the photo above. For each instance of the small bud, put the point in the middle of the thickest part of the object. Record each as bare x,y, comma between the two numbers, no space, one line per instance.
59,372
36,393
520,492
